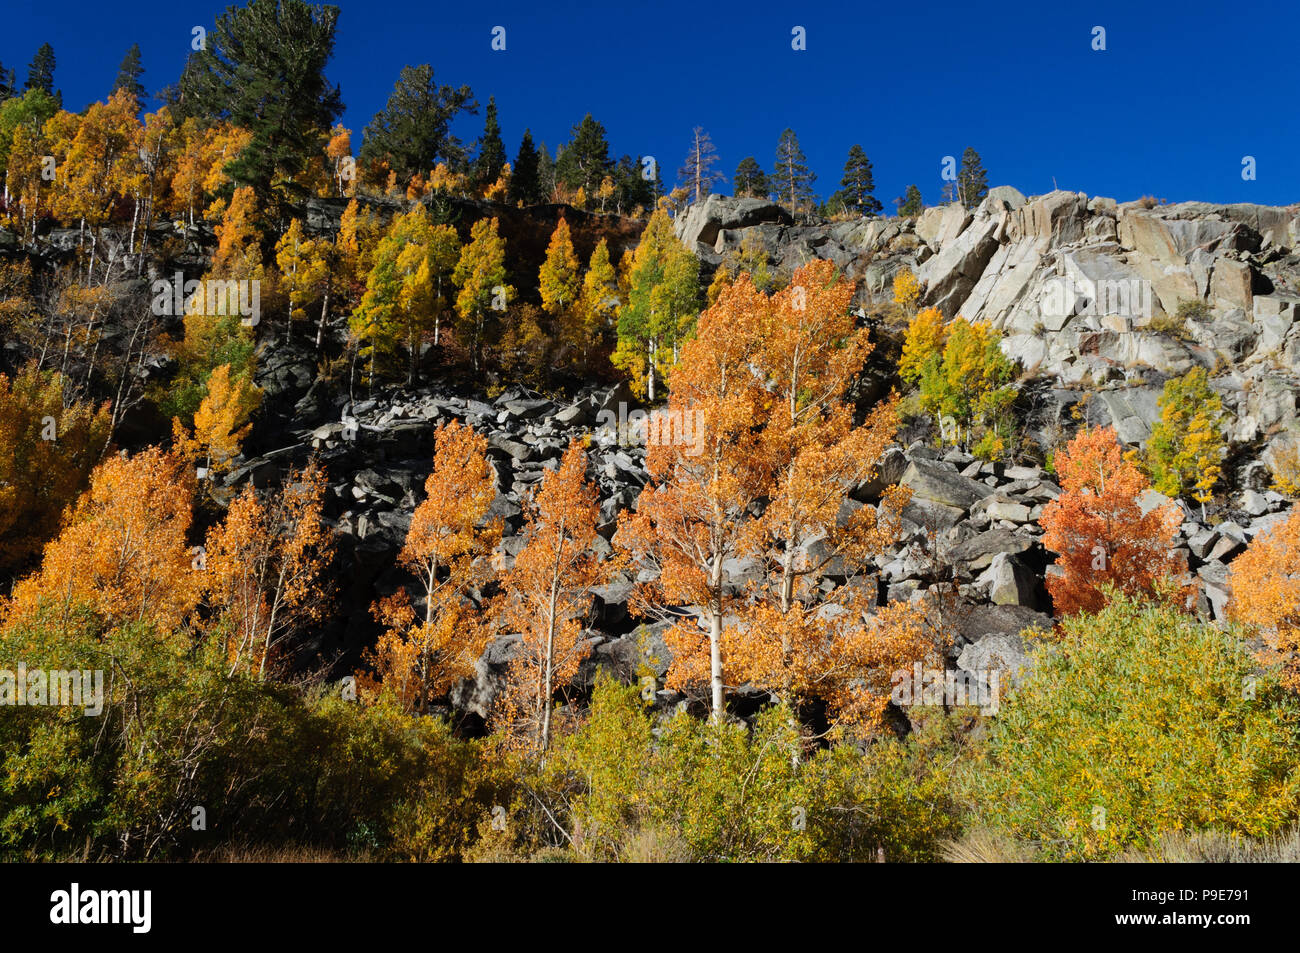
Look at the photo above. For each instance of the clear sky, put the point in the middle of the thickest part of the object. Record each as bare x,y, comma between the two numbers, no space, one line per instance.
1182,92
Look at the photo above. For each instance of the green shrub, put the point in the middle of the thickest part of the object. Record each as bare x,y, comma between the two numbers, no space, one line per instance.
1139,721
689,789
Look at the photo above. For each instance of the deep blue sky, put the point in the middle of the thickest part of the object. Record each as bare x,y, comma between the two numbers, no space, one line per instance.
1182,93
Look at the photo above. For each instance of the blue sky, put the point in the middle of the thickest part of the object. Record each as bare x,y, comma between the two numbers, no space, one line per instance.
1181,94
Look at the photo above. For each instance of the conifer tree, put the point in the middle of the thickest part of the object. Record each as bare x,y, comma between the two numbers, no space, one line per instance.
859,185
910,205
750,180
491,157
40,73
525,181
972,180
697,172
791,179
129,73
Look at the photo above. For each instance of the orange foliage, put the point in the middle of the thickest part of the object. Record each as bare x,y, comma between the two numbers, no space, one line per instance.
547,593
690,518
447,548
1098,530
123,551
1265,586
264,566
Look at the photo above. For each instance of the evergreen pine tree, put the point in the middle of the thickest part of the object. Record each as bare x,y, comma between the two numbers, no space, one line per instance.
791,179
129,73
859,185
412,133
491,150
750,179
910,205
40,74
972,180
546,180
525,185
263,70
585,160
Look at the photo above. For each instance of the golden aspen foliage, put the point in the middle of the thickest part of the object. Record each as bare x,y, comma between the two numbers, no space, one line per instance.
557,281
546,595
481,276
123,550
448,548
907,291
1264,582
1186,448
263,571
339,152
238,254
222,422
924,339
690,517
47,451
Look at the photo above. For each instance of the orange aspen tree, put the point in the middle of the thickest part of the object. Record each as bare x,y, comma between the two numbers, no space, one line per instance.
1098,531
547,594
448,547
797,640
690,518
343,166
1264,582
263,569
123,550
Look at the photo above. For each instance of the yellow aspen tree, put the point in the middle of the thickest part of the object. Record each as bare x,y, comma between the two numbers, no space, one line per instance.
481,276
546,596
449,549
263,570
1264,583
123,551
691,516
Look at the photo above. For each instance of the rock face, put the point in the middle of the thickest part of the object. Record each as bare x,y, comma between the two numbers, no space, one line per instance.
977,521
1086,291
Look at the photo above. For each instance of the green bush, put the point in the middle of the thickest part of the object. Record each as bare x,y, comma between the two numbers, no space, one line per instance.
1139,721
268,763
689,789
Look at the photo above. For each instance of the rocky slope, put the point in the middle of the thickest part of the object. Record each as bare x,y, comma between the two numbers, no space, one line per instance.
1082,290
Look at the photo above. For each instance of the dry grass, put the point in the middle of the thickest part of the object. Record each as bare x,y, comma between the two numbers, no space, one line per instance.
279,854
981,846
1211,847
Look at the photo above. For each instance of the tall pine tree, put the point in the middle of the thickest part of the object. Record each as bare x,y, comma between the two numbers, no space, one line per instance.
412,133
525,184
792,180
263,69
859,185
491,150
40,74
696,173
750,180
585,160
972,180
910,205
129,73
